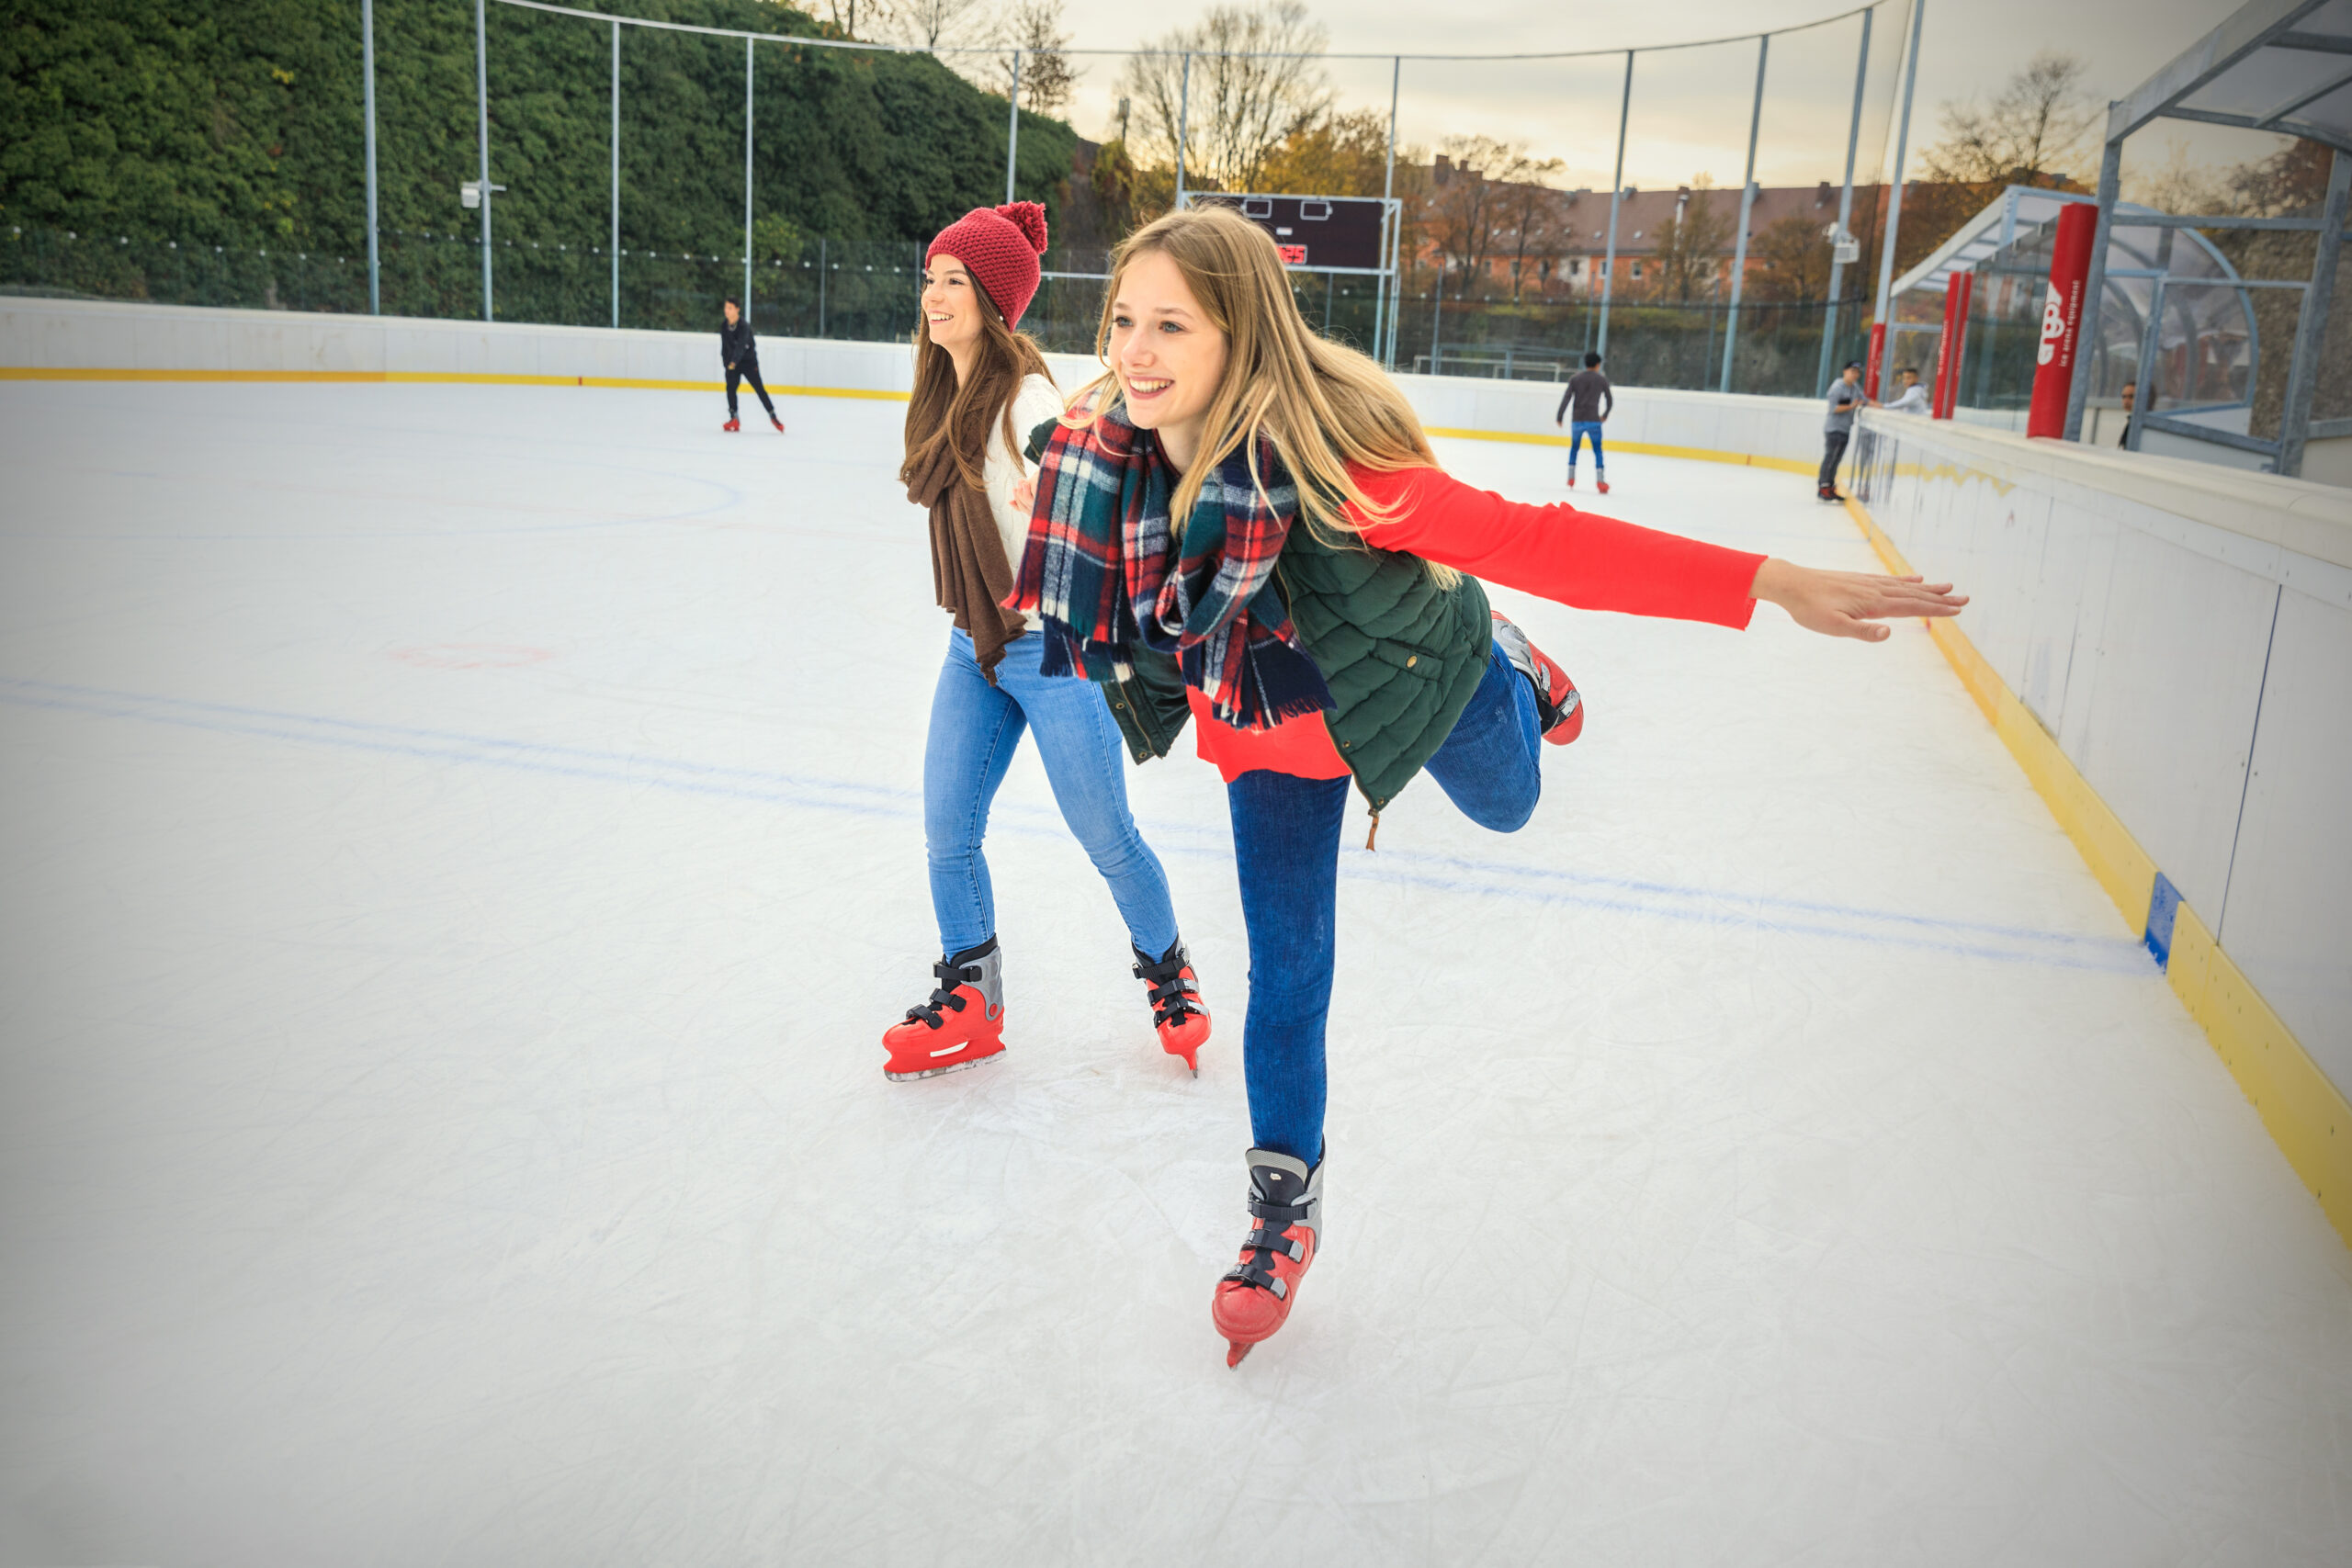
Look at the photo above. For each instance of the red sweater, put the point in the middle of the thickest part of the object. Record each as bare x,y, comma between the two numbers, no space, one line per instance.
1574,557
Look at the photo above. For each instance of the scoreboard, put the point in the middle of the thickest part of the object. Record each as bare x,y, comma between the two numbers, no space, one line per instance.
1319,233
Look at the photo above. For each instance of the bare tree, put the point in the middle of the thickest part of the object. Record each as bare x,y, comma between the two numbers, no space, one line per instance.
1485,198
1047,81
1256,82
942,23
844,14
1791,260
1690,244
2030,133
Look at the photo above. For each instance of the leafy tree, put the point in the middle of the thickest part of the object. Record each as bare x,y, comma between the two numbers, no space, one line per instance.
1692,243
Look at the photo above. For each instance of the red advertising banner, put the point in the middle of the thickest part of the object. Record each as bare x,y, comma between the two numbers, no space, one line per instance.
2062,321
1960,291
1870,362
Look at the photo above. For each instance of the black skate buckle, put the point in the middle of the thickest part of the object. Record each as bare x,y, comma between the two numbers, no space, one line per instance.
1171,993
942,996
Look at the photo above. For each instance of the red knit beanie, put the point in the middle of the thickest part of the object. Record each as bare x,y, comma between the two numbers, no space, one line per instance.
1001,245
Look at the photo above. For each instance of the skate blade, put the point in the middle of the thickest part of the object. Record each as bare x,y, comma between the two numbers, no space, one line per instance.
937,1072
1235,1351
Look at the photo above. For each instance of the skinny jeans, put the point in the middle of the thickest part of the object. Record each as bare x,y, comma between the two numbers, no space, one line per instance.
975,729
1286,848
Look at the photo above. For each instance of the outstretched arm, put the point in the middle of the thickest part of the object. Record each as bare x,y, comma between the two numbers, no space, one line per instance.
1598,563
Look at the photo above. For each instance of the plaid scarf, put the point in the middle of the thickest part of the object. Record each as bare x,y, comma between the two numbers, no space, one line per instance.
1101,569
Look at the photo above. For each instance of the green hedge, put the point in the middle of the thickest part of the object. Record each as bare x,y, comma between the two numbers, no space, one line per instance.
234,127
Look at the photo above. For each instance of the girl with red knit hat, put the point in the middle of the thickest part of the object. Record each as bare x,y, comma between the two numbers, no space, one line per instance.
982,387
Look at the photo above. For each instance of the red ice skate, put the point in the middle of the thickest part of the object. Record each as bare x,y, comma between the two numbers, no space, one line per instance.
1572,479
777,423
1255,1297
732,424
961,1026
1559,709
1175,995
1600,483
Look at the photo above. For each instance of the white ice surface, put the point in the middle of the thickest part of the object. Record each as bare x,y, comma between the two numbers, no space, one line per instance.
460,846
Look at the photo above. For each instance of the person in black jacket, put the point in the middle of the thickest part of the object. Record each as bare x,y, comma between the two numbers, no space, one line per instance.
741,354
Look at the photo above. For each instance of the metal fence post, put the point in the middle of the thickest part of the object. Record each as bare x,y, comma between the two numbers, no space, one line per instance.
2311,326
1894,197
1184,118
2151,343
747,179
822,255
367,65
1616,195
1013,129
1844,211
2079,391
616,246
1747,206
1436,313
1384,304
482,123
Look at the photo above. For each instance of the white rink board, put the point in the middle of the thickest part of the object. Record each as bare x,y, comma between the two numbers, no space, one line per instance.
461,845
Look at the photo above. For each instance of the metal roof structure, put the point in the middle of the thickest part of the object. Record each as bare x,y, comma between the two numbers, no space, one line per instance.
2283,66
2280,65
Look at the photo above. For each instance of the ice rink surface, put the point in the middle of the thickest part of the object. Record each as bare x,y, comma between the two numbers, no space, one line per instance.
462,844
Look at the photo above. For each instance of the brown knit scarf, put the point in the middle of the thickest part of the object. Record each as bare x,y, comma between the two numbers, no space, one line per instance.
968,570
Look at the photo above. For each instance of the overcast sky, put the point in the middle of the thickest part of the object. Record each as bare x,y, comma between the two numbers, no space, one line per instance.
1690,108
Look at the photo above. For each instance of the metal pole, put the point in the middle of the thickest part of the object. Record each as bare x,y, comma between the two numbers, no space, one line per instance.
1012,131
2311,327
615,174
1616,194
1397,281
1183,116
747,179
1436,313
824,246
2008,237
1895,196
481,127
367,65
2151,344
1746,201
1844,211
2079,391
1382,304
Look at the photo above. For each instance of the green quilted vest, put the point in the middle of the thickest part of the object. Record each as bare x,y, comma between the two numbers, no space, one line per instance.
1401,655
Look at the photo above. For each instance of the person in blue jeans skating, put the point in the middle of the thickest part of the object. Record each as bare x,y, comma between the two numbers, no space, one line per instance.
1593,401
980,388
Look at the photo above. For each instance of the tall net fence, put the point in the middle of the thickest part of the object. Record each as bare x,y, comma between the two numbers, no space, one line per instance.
1678,207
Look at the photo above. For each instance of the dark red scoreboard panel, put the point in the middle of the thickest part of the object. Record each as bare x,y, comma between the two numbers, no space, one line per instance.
1312,231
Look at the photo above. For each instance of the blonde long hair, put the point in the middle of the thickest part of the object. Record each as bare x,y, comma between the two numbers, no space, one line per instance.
1323,405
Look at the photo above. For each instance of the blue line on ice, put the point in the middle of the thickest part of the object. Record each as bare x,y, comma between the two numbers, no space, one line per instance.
1531,884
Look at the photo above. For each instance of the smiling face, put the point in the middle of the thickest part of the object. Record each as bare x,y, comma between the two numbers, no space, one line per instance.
1169,356
952,307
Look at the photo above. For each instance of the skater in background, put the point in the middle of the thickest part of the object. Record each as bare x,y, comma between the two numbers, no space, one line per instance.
1589,396
1913,399
1230,439
980,386
1845,397
741,354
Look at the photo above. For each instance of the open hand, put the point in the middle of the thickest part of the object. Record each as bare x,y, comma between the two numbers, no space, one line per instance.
1025,494
1852,604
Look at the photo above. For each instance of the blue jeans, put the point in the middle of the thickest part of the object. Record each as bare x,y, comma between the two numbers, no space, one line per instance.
975,729
1577,431
1286,848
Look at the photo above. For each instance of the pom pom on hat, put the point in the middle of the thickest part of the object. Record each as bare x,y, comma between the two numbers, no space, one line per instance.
1030,219
1001,246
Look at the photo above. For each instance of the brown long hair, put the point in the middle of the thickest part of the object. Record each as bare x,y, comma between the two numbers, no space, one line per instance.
1323,405
944,410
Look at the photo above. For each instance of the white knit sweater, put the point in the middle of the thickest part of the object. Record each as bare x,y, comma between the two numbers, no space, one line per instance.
1033,403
